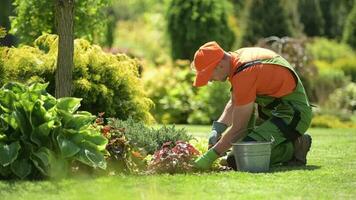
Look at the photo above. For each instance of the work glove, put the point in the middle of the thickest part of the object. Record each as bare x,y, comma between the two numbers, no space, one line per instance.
216,132
205,161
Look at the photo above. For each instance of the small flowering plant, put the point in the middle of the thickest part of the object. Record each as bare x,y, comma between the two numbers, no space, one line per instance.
174,158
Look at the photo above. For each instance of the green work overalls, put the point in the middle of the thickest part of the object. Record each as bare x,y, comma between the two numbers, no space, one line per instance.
285,118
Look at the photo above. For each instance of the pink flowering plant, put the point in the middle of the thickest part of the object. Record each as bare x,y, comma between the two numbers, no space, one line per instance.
173,158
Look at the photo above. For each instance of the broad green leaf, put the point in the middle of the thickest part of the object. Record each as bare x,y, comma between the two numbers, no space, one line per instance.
45,128
41,159
15,87
49,101
8,153
5,171
78,121
7,99
40,134
23,121
94,137
89,155
67,147
38,114
48,164
65,116
38,87
10,120
21,168
68,104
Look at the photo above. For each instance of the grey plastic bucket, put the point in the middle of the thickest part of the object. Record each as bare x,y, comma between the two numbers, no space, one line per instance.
252,156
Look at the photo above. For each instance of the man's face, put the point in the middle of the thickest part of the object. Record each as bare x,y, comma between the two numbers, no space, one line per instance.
219,73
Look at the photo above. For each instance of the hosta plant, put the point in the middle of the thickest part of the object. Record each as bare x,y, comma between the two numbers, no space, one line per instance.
174,158
40,136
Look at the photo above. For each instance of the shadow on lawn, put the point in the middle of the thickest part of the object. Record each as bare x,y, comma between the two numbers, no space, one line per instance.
287,168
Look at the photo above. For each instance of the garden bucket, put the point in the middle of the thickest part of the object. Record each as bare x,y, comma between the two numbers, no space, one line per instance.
252,156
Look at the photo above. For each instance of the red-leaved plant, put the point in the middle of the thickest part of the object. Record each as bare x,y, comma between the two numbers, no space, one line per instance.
178,159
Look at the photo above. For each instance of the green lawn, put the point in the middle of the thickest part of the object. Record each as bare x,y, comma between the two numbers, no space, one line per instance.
330,174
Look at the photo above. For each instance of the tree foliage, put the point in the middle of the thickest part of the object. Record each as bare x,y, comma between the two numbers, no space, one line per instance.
193,23
311,17
34,17
335,14
265,18
349,35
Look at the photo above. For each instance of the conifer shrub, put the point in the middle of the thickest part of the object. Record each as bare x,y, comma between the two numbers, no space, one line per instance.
106,82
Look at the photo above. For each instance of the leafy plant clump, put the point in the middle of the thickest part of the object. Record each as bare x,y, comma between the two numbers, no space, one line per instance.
40,136
147,140
122,156
174,158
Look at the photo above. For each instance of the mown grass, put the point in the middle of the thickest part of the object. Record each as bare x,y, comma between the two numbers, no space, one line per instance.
330,174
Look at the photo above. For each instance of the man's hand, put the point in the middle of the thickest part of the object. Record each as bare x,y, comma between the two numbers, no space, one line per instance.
205,161
215,134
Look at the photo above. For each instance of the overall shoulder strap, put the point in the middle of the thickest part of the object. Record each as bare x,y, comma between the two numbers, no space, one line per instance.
247,65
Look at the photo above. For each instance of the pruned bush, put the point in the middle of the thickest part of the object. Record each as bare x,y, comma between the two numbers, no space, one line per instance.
106,82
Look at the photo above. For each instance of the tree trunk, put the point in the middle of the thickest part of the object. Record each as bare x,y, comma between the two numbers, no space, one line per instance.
64,21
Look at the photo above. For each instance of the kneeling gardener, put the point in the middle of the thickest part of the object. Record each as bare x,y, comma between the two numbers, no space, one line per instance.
258,76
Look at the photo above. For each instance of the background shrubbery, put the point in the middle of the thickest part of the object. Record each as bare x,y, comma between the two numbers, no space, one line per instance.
106,82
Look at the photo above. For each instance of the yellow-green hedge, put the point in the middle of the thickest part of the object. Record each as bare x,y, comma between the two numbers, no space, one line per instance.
106,82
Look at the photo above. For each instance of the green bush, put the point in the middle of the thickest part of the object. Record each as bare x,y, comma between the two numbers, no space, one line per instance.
177,101
348,66
209,103
34,17
193,23
329,50
40,136
326,82
343,99
106,82
148,139
170,88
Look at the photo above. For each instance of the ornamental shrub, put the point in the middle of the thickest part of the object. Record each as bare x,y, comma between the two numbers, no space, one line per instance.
193,23
106,82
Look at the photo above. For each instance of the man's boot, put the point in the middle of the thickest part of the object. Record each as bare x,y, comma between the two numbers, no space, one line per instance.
301,148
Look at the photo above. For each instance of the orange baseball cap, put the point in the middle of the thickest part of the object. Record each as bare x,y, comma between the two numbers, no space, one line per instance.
205,60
